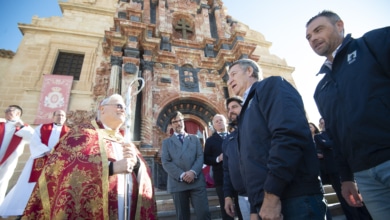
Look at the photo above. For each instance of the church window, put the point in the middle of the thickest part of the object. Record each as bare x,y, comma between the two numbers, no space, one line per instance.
69,64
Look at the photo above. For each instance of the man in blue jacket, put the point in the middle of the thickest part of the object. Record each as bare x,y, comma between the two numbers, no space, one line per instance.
354,97
277,154
233,185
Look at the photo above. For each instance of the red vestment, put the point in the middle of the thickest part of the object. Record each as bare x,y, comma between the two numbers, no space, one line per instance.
75,183
14,143
39,163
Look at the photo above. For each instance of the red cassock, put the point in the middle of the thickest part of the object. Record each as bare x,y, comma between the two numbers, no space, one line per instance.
75,183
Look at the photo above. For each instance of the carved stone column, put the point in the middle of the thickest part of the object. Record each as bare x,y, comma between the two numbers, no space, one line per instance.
147,106
116,72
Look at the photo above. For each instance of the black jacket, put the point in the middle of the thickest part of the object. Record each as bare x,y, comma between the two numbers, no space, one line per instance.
276,148
326,146
232,179
354,99
212,149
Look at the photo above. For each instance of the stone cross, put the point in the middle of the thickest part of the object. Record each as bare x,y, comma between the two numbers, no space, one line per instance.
184,27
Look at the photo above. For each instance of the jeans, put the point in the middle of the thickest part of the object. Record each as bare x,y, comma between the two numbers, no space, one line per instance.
245,207
311,207
374,186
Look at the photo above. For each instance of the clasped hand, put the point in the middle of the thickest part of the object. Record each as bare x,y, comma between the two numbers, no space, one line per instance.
129,160
188,177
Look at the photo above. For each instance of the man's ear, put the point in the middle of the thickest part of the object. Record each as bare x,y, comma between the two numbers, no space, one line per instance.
340,27
101,109
250,70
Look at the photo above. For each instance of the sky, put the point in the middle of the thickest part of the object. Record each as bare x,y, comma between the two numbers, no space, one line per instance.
282,22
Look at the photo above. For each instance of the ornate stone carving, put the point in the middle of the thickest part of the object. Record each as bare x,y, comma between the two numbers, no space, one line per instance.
147,65
116,61
183,26
77,117
130,68
130,52
189,80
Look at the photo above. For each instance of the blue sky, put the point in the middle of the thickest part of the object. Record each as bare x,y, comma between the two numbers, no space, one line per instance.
282,22
13,12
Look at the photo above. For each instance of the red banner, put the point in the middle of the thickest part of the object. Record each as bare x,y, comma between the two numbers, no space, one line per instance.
54,96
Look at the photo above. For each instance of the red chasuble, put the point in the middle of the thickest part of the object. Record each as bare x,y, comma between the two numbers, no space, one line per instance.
13,144
75,183
40,162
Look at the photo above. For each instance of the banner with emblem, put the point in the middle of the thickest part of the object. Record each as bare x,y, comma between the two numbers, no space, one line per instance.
54,96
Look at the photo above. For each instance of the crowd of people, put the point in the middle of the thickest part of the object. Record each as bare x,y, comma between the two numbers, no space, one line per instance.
268,162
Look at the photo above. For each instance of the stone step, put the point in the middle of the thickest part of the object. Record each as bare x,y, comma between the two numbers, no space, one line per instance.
166,208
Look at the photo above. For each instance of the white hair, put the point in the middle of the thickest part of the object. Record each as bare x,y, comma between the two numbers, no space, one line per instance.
106,101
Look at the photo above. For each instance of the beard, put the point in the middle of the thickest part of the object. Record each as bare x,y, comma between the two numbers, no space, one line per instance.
233,117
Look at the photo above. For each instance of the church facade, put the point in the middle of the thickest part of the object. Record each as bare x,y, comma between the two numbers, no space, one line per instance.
180,48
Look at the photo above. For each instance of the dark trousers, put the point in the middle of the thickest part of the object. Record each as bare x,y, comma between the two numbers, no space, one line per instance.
221,198
199,200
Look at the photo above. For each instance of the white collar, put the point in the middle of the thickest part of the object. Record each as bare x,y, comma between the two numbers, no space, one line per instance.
245,95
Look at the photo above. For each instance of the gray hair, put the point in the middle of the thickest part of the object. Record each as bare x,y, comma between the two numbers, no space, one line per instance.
245,63
106,101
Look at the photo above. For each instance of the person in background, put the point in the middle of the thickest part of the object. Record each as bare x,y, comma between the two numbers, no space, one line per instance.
14,135
330,174
42,142
87,172
213,157
320,155
277,153
314,131
233,184
353,97
182,159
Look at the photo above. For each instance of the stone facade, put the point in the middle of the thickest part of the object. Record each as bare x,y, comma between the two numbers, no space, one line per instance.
181,48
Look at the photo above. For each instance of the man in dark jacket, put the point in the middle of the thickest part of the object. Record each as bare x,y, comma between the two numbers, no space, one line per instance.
354,98
277,154
213,156
330,174
233,184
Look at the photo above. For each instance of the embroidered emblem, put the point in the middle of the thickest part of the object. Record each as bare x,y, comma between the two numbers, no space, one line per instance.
351,57
54,99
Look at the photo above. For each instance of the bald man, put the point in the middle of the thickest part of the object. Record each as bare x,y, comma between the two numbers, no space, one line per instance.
45,137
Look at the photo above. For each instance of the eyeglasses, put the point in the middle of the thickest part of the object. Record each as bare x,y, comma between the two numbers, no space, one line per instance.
177,121
118,106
